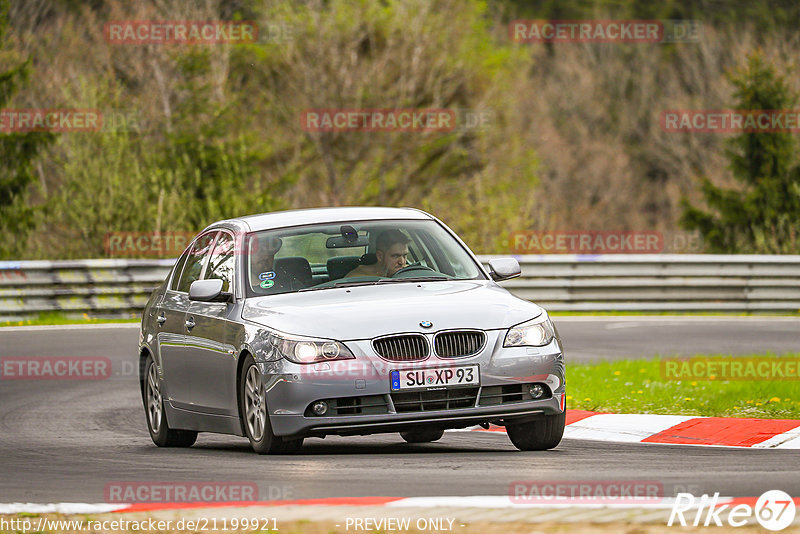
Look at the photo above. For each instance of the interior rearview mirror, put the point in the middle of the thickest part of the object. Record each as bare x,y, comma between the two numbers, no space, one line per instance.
347,241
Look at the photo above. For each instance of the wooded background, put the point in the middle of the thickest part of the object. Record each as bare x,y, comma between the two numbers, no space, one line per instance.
573,140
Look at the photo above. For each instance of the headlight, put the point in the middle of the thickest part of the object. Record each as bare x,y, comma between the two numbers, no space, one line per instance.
307,350
534,333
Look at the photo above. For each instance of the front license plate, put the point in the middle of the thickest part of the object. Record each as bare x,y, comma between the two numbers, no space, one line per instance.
466,375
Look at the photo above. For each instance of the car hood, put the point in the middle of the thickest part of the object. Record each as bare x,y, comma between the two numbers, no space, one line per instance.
365,312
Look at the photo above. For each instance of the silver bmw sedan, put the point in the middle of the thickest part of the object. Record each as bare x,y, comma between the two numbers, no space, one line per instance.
346,321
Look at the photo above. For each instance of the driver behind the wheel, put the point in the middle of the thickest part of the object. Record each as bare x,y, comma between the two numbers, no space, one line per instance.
391,251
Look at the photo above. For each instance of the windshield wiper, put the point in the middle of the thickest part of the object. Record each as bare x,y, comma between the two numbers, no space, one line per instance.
339,284
435,278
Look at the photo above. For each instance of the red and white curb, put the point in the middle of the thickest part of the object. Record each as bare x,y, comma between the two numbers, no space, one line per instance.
681,430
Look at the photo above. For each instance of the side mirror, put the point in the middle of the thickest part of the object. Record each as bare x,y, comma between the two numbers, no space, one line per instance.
504,269
208,291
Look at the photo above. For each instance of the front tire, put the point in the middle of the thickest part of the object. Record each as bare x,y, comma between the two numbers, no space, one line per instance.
425,435
160,432
253,406
538,435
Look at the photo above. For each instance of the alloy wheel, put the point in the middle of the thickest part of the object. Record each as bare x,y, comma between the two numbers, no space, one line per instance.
255,407
154,402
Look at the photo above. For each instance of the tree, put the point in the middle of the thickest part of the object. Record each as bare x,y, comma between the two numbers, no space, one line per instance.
764,216
211,152
17,152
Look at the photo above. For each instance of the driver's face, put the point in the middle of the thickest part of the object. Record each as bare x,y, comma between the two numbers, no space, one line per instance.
394,259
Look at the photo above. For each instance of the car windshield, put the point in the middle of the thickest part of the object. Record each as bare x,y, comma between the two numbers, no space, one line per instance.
325,256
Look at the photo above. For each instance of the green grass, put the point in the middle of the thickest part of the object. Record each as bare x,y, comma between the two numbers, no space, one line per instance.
637,386
59,318
613,313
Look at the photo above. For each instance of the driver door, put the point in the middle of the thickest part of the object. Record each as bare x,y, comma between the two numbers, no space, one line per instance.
173,329
212,361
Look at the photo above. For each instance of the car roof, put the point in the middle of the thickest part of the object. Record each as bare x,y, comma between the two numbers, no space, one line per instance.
282,219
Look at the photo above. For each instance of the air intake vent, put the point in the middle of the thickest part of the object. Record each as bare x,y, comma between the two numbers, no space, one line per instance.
404,348
459,343
443,399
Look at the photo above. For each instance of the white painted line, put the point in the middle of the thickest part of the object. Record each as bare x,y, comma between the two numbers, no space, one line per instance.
633,428
622,428
476,501
100,326
60,508
503,501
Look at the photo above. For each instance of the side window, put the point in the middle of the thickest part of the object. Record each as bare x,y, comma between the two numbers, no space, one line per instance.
176,274
195,261
221,261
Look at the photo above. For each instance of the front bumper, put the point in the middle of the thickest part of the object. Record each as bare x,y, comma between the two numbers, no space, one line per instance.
284,425
292,388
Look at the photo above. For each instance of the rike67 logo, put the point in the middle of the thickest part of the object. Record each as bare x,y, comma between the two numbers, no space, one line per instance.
774,510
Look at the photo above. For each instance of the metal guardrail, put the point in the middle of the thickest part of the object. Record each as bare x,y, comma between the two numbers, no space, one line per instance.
620,282
97,287
666,282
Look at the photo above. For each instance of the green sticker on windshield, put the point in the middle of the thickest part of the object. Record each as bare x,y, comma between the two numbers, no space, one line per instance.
267,284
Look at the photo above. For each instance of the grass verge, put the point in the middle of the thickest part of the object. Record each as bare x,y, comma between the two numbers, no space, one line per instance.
638,386
634,313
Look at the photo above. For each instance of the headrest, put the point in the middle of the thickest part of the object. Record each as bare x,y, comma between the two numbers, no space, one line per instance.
338,267
295,270
368,259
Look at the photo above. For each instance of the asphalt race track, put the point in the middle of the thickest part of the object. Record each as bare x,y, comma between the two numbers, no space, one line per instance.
64,441
591,338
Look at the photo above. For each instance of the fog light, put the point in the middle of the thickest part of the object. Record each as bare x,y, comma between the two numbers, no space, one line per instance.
320,408
536,391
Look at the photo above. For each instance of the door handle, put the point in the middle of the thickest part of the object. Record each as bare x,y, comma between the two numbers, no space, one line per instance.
190,323
161,319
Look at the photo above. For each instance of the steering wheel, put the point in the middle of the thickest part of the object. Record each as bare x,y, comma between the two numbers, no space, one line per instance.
413,267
